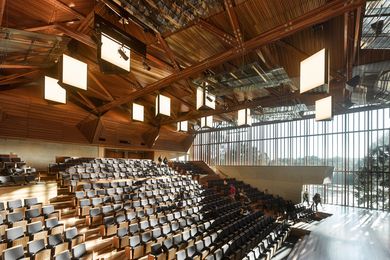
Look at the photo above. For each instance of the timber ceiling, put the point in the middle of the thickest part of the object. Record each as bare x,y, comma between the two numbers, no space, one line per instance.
273,35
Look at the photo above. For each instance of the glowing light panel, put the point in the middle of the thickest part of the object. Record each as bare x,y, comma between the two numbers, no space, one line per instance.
138,112
324,109
53,91
314,71
74,72
109,52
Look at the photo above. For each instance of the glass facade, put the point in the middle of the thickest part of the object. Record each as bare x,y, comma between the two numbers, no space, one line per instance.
356,144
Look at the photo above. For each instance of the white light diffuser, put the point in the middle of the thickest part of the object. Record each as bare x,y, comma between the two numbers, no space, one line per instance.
182,126
244,117
324,109
204,100
53,91
163,105
109,52
314,71
138,112
206,121
74,72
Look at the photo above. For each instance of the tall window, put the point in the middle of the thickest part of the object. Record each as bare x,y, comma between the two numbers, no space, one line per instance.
357,145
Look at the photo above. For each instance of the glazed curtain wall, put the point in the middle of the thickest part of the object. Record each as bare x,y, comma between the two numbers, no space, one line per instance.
356,144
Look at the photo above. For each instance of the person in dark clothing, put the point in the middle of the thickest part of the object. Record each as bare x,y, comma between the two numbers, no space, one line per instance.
159,160
165,161
316,201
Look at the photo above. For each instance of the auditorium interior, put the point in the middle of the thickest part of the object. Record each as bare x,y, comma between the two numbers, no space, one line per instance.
195,129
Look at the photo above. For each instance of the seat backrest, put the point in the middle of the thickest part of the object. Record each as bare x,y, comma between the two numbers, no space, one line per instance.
177,239
13,253
65,255
32,213
134,241
84,202
30,202
110,220
181,255
199,245
79,251
144,224
121,232
168,243
46,210
54,240
156,232
146,236
34,227
95,212
133,228
35,246
70,233
14,217
120,218
191,250
51,222
14,204
13,233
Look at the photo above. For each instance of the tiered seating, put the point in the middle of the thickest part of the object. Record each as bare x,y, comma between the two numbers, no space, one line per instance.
14,171
31,229
274,205
187,167
150,210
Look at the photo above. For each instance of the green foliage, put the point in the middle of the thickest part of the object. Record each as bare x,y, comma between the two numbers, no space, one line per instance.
372,181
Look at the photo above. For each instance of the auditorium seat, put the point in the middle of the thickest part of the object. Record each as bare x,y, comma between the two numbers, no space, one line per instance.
53,226
64,255
73,238
79,252
35,231
57,244
14,253
135,249
15,236
33,215
37,250
15,205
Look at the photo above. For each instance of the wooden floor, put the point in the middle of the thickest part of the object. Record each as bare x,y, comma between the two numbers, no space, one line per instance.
350,233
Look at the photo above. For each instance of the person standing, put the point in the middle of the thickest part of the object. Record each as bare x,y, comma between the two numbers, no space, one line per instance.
316,201
232,191
306,197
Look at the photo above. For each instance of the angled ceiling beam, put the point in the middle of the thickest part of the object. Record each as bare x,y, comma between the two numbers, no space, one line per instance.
226,38
15,78
168,52
89,18
83,38
22,66
2,9
234,22
176,66
318,15
63,7
88,102
101,86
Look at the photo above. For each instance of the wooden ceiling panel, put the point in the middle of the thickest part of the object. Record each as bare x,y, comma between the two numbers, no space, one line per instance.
174,61
194,45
